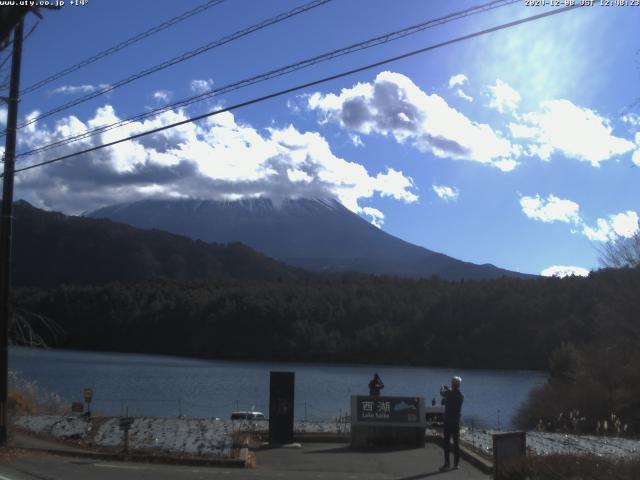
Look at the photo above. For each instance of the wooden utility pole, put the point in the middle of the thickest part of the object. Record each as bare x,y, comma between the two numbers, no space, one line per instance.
5,225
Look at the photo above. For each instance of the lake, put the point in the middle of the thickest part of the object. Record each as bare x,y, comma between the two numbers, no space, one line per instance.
156,385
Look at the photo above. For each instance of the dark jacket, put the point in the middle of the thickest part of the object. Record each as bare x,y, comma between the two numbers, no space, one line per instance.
375,386
452,401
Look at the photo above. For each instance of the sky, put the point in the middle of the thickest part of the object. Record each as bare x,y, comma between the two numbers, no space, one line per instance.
519,148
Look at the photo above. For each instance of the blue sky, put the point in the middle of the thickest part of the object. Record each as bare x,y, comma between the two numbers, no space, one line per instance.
520,148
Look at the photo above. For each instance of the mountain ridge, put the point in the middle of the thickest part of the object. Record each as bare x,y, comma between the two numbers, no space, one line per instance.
315,234
51,248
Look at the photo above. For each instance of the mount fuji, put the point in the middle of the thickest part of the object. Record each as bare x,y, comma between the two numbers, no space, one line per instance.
315,234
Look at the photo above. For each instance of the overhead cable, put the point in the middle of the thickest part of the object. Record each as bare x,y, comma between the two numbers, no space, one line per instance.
305,85
381,39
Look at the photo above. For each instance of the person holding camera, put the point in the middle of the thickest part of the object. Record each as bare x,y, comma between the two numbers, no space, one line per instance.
452,399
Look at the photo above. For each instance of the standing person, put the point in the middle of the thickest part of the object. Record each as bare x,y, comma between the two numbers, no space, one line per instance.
452,399
375,385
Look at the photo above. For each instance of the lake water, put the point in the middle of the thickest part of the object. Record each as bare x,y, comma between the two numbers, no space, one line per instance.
155,385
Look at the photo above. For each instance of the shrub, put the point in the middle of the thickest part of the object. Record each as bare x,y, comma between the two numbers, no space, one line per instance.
584,467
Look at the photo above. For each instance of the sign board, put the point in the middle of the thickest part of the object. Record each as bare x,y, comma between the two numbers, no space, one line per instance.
392,411
77,407
125,423
88,395
506,448
281,391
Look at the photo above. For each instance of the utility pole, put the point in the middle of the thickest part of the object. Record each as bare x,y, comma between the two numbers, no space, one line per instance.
5,225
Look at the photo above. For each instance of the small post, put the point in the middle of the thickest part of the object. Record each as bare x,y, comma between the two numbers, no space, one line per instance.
126,439
125,425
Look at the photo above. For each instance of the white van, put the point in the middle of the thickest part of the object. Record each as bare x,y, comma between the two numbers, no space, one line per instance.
244,415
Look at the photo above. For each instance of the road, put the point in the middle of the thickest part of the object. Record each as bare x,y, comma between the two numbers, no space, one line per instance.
312,461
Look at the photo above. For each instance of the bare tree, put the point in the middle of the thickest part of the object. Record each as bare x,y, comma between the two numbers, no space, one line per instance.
621,252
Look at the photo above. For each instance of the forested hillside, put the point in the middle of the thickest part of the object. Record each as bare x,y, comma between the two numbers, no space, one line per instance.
506,323
51,249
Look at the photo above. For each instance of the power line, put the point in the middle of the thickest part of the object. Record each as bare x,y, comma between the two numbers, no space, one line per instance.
181,58
5,84
123,44
385,38
303,86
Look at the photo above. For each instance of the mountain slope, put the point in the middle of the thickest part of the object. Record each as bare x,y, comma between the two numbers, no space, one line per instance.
316,234
50,248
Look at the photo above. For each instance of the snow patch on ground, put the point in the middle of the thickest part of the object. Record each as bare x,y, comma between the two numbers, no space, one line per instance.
201,436
193,436
56,426
544,443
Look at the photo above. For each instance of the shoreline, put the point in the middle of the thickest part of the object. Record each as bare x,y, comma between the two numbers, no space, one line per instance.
279,362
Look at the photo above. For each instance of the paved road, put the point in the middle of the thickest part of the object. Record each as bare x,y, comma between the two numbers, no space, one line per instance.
313,461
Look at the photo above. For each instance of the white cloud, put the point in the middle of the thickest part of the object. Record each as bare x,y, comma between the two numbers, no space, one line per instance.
377,217
553,209
201,86
394,106
576,132
463,95
503,97
356,140
458,80
564,271
448,194
73,89
631,118
163,96
618,225
219,158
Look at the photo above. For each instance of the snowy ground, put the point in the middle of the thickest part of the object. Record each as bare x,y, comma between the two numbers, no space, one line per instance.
207,436
544,443
202,436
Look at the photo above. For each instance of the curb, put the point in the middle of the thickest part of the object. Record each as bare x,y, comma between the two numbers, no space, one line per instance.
322,437
240,462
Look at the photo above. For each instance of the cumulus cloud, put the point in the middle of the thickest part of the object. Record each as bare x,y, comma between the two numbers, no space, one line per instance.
458,80
219,158
448,194
462,95
356,140
623,225
631,118
564,271
503,97
163,96
201,86
551,209
394,106
376,216
576,132
554,209
73,89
